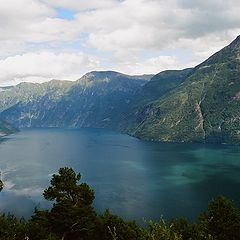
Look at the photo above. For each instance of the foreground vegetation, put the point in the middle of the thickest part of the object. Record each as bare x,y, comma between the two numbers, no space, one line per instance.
72,217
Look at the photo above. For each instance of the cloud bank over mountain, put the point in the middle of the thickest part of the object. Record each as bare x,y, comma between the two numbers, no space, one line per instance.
41,40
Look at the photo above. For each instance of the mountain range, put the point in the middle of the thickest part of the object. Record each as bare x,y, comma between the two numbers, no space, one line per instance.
98,99
199,104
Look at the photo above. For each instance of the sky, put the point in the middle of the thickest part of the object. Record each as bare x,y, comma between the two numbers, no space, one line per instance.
42,40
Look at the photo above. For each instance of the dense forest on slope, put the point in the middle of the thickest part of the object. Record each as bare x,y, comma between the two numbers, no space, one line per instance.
203,108
72,217
157,87
198,104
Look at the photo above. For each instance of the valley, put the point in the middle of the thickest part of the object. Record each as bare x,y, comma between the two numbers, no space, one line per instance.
199,104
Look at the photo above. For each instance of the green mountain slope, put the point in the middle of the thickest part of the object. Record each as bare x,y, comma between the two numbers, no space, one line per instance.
27,92
190,105
160,84
98,99
203,108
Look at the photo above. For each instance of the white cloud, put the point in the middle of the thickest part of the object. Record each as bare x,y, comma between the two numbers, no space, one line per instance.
156,24
153,65
122,31
17,17
45,65
81,5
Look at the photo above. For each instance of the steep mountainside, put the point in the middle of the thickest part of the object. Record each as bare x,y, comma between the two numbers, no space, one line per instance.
205,107
197,105
160,84
95,100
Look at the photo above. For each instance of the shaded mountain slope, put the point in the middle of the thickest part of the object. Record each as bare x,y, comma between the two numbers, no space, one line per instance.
204,108
160,84
95,100
190,105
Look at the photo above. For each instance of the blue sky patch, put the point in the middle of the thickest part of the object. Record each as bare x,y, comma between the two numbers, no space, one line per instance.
65,13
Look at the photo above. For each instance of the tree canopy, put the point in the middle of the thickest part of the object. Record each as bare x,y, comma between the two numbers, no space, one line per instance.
72,217
65,189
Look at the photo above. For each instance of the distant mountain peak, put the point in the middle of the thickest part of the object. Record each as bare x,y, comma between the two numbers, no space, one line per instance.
94,76
107,76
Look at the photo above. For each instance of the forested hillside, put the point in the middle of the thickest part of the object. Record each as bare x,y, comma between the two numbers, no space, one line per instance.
198,104
203,108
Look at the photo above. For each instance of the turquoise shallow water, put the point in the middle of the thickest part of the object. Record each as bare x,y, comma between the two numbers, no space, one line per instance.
131,177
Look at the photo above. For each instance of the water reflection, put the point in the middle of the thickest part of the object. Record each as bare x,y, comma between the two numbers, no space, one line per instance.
133,178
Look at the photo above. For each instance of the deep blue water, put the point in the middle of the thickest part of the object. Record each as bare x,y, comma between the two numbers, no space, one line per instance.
132,178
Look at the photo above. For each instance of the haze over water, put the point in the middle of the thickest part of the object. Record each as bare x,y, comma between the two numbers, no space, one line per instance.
132,178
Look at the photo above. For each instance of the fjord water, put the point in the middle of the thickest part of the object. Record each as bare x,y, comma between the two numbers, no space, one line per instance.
132,178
